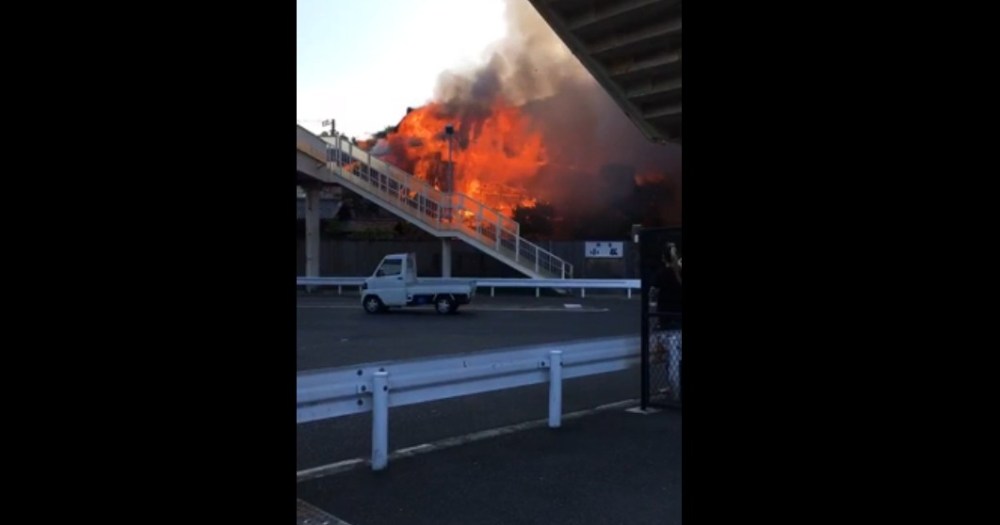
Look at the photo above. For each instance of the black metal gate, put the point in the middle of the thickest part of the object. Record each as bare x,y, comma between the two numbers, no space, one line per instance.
660,271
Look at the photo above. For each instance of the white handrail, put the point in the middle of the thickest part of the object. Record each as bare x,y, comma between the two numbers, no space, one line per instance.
482,226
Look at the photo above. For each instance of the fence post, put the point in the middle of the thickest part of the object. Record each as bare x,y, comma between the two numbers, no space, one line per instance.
380,420
555,388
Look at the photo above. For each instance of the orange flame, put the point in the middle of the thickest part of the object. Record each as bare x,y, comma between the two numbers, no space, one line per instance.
493,156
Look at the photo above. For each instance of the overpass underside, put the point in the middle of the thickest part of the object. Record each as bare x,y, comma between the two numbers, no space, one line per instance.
633,49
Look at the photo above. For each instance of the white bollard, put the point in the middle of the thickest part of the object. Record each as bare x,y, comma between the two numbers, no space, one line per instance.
380,420
555,388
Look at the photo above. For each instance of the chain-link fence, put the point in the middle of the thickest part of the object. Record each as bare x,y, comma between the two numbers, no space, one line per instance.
664,362
660,270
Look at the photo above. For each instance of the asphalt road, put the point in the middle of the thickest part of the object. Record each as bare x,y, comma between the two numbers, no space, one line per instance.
335,332
614,467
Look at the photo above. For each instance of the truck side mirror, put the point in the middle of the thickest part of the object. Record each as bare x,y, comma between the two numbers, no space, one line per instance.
379,273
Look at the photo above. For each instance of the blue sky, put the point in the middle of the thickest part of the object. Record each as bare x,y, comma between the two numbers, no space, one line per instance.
363,62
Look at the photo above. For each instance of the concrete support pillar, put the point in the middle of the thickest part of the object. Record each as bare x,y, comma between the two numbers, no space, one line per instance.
445,257
312,231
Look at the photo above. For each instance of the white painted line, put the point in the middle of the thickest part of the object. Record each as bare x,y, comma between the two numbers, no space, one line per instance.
616,405
417,448
351,464
573,305
326,470
307,514
638,410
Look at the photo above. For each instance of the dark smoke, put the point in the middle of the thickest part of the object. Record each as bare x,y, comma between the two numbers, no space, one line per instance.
595,151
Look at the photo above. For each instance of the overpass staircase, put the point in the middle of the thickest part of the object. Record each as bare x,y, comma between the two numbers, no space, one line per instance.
441,214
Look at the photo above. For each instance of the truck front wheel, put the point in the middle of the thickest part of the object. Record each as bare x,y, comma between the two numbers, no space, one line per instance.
373,304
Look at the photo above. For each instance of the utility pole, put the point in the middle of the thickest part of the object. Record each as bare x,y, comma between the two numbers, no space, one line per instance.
449,130
333,126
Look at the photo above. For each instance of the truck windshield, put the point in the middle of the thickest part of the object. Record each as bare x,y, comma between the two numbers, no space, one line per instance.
391,267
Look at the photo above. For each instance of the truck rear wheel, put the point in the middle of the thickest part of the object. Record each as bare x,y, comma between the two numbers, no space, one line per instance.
373,304
444,304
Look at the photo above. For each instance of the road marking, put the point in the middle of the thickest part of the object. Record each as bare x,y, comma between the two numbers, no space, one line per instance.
424,448
639,410
326,470
307,514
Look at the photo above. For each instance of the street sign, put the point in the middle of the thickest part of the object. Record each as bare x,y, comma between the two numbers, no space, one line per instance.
604,250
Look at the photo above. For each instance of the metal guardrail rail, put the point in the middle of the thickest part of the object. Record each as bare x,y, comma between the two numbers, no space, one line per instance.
376,387
560,284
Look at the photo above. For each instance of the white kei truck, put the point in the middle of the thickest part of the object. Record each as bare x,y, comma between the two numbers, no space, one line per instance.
395,284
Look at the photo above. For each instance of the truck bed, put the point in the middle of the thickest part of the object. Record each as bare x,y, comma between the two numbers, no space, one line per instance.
435,286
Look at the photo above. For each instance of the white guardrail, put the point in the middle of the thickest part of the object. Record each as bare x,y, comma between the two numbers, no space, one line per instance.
493,284
375,387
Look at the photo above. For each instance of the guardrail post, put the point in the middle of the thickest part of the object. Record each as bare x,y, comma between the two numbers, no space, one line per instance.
583,293
493,290
555,388
629,290
380,420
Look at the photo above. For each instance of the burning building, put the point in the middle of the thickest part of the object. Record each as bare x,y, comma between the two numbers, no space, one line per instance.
532,126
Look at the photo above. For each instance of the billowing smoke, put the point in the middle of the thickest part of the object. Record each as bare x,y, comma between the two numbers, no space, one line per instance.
590,162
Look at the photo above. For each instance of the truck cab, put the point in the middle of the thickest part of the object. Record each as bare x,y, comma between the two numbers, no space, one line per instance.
394,283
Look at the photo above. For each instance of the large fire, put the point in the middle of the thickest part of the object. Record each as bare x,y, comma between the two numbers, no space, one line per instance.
493,155
534,131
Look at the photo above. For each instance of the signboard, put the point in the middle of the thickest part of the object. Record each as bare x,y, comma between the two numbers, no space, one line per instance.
604,250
